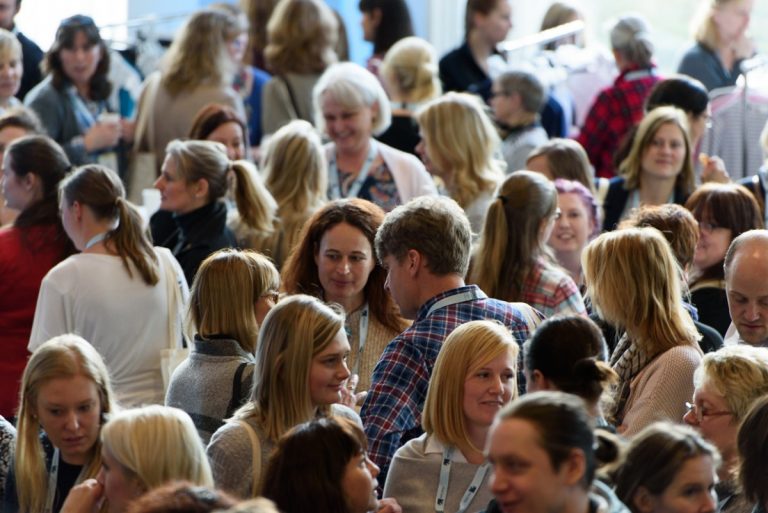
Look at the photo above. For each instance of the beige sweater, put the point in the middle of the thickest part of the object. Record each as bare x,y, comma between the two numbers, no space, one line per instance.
660,390
378,338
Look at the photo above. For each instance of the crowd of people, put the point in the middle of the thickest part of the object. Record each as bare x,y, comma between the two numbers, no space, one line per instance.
412,286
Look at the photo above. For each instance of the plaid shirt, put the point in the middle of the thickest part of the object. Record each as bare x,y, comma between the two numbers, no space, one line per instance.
551,291
392,410
616,109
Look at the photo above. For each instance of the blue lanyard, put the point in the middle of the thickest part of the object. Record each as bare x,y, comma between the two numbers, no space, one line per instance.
445,474
95,240
361,337
334,188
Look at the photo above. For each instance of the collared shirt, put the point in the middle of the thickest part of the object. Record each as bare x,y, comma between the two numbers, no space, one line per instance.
552,292
615,111
733,338
392,410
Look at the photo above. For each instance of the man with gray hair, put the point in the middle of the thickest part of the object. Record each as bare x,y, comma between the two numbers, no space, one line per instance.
517,97
425,246
746,286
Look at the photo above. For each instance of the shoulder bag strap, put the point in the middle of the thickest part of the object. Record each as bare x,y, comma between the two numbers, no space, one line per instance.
236,399
292,97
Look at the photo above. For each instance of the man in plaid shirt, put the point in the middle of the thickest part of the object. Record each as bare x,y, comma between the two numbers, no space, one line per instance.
425,247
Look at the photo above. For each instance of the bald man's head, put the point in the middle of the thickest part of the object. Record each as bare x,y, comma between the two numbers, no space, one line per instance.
746,285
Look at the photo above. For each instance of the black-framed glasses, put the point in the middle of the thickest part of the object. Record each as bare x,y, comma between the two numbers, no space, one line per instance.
700,412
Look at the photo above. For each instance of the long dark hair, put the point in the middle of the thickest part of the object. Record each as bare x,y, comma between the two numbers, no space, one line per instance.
100,86
394,24
306,469
40,155
299,274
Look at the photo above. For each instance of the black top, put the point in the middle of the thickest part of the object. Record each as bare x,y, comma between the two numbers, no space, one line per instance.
402,134
616,200
460,72
712,304
31,55
193,236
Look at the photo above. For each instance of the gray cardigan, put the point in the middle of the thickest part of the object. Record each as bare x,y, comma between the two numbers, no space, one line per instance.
55,110
203,384
231,454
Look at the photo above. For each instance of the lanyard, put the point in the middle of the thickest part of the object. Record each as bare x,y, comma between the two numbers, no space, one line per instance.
354,189
452,300
445,474
95,240
362,337
53,476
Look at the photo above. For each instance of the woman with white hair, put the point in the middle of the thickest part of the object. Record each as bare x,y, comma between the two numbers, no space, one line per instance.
351,107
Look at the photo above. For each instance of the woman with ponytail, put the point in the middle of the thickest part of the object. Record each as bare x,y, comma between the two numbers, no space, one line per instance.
510,262
121,294
34,243
194,181
568,354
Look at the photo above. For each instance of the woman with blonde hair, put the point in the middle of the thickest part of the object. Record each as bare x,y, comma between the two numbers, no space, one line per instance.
351,107
232,293
301,37
728,382
668,469
473,378
198,69
658,169
195,179
721,42
458,144
296,173
510,261
66,392
300,374
656,357
120,293
142,449
335,260
409,75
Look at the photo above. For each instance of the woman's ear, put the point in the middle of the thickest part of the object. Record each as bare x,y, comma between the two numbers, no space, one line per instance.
643,500
201,188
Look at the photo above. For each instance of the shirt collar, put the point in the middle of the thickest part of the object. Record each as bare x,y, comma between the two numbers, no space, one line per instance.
422,313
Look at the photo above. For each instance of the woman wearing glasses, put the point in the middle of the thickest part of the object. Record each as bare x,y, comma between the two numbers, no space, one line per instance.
727,383
724,211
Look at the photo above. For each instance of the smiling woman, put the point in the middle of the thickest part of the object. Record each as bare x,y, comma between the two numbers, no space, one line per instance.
300,374
657,170
473,378
335,261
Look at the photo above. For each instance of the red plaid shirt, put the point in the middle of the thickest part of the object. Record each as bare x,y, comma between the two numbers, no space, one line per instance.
615,111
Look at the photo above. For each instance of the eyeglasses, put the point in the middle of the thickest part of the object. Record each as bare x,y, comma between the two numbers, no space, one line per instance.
272,295
700,413
706,227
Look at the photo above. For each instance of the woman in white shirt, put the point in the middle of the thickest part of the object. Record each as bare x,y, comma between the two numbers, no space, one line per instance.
119,293
444,469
